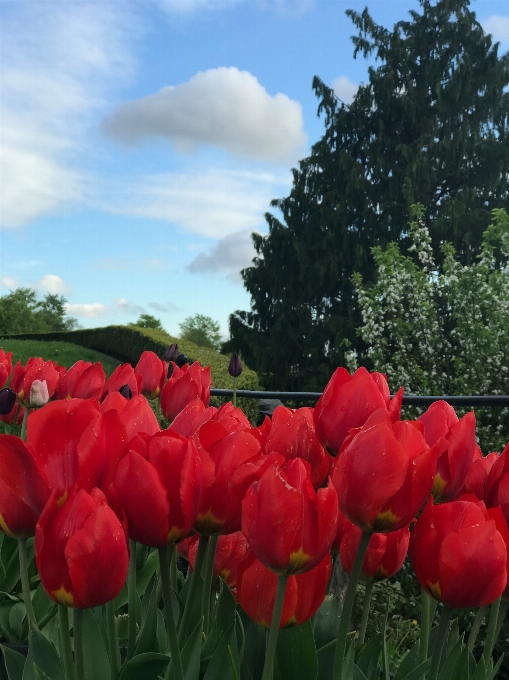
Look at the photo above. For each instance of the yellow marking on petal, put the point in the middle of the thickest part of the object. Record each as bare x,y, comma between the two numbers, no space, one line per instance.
63,596
298,560
208,523
174,535
62,499
385,521
438,486
5,528
292,621
434,590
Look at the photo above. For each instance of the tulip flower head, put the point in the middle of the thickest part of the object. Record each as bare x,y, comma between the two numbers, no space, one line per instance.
39,395
458,554
384,557
185,384
235,366
83,380
153,374
384,473
171,352
288,525
7,400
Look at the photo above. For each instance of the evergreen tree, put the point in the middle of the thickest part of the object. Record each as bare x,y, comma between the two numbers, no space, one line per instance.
430,126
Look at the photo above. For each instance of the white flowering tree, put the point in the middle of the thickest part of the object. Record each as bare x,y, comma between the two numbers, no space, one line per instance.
441,328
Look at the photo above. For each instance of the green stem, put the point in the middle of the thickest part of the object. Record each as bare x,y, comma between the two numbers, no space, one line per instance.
504,605
173,571
365,612
113,648
439,643
15,421
335,558
23,434
208,569
235,392
65,642
131,598
270,652
474,631
25,584
489,643
78,644
425,625
195,577
344,622
171,628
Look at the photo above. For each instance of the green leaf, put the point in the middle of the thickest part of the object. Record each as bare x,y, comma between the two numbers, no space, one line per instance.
325,656
369,655
223,619
147,666
42,603
14,663
97,664
16,617
419,671
481,671
254,649
326,621
191,653
147,639
493,674
219,667
42,653
358,674
296,653
451,660
465,665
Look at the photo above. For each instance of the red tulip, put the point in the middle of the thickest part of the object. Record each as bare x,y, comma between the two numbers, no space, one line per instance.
288,525
257,585
458,554
9,417
497,484
477,476
231,550
23,490
159,488
35,369
185,385
348,401
344,525
122,375
192,417
153,373
292,434
455,443
384,473
230,463
83,380
384,557
81,550
5,367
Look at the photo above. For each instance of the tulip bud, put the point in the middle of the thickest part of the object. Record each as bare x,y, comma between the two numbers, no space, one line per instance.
126,392
171,352
181,360
7,401
39,394
235,367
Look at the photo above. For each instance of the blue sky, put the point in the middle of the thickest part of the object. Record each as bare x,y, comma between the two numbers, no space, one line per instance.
142,141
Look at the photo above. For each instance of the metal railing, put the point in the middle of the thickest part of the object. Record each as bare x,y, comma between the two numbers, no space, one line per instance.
408,399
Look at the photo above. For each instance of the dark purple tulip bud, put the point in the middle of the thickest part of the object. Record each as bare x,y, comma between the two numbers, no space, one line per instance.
126,392
235,367
7,400
171,352
181,360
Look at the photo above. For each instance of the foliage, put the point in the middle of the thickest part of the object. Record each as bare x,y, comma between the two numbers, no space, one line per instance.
441,328
127,344
148,321
430,126
64,353
202,330
21,312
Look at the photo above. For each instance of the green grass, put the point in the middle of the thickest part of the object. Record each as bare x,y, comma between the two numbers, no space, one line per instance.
64,353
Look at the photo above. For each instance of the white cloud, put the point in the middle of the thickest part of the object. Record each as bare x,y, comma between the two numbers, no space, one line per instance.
57,62
169,307
53,284
90,311
223,108
229,256
498,26
8,282
344,89
213,202
129,307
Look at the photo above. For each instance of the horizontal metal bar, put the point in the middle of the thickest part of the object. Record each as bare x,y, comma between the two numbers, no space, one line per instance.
408,399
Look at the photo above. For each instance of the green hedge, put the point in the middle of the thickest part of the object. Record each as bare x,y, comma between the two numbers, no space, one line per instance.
126,343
